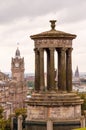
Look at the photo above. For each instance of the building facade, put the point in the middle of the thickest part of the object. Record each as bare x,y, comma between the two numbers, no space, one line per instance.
13,91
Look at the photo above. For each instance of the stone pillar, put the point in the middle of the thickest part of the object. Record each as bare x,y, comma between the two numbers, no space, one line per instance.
37,70
41,51
68,70
20,122
52,69
49,125
61,70
85,117
82,122
48,69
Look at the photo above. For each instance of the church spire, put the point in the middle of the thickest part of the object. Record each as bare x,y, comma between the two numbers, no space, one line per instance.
17,53
77,72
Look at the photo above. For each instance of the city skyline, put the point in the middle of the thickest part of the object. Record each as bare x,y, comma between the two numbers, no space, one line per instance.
20,19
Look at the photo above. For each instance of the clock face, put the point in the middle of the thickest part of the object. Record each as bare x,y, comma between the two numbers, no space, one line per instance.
16,64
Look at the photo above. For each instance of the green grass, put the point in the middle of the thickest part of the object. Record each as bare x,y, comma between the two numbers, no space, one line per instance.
80,129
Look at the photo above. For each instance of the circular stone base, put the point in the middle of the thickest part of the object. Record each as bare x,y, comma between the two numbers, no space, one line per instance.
56,106
53,98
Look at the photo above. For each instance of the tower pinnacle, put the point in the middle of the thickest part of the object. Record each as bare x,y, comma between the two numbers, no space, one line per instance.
17,53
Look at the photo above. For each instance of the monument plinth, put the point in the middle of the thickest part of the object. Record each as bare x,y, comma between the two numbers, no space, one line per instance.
57,105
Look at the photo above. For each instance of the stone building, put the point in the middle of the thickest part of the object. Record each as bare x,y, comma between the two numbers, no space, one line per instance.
18,87
76,78
52,108
13,91
17,67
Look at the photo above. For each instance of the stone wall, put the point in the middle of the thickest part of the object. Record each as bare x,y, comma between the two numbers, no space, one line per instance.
55,113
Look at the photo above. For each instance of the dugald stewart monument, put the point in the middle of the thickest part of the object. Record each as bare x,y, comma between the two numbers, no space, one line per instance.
54,107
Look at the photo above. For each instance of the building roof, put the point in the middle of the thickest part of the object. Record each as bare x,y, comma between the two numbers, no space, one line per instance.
53,33
3,76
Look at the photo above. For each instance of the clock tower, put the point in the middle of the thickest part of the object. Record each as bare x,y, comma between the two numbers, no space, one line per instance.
17,66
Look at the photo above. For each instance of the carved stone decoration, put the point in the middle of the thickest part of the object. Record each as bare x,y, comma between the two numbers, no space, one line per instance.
53,43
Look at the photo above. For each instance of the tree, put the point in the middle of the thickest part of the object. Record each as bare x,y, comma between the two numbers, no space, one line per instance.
4,124
23,112
83,106
30,84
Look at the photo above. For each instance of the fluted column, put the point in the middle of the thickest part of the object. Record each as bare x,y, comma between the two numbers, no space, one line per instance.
48,69
61,70
41,51
52,69
37,70
69,69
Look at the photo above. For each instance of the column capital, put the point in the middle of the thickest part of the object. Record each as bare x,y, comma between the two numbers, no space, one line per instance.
35,49
61,50
41,49
51,49
69,50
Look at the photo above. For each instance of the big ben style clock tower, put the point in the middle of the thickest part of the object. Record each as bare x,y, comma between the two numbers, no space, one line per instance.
17,66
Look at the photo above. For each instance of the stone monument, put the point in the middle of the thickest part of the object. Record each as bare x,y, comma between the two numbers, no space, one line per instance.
55,107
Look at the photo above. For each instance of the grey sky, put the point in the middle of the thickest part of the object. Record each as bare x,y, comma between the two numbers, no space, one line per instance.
21,18
11,10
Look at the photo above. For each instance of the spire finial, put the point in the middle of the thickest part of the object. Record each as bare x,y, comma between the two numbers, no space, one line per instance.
17,44
52,24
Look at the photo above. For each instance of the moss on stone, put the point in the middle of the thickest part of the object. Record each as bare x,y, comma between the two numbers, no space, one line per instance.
80,129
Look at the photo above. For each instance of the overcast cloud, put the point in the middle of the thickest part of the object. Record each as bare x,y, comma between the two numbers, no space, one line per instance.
21,18
11,10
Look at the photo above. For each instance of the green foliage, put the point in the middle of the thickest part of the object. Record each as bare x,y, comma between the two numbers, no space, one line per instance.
4,124
1,112
20,111
83,106
30,84
80,129
8,124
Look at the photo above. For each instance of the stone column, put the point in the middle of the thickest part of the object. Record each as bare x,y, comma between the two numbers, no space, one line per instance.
82,122
37,70
48,69
61,70
49,124
68,69
52,69
41,51
85,117
20,122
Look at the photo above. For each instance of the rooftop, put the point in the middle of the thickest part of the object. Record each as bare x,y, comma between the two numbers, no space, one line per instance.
53,33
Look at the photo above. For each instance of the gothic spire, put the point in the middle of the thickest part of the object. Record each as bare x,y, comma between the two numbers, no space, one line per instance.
17,53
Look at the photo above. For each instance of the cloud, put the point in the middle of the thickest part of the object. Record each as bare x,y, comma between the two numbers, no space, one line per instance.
12,10
21,18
